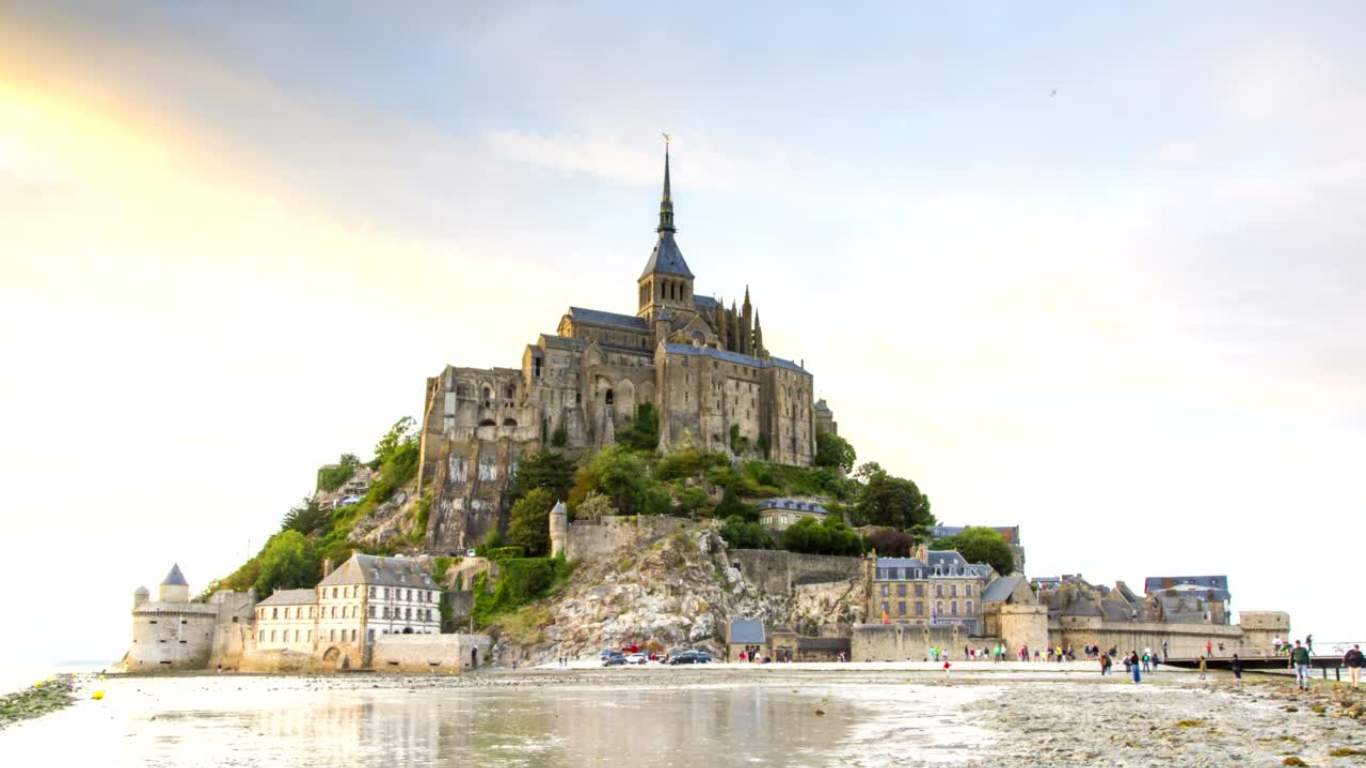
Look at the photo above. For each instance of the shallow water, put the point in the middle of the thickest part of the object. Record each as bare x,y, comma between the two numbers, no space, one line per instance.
274,721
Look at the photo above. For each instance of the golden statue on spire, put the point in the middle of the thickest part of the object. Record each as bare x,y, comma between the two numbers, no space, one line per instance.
666,138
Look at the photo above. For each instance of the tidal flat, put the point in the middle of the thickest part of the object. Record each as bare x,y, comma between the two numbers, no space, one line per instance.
721,716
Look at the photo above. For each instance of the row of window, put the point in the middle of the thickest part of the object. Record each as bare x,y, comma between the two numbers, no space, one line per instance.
902,574
383,593
348,612
920,608
920,590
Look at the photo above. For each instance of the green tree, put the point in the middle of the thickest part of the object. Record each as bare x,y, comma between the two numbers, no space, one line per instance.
643,434
529,525
731,506
288,562
617,473
594,506
822,537
307,518
403,433
331,478
981,545
742,534
892,502
559,437
834,451
546,469
888,542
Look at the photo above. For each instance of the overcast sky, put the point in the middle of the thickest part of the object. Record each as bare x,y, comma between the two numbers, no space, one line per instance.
1097,272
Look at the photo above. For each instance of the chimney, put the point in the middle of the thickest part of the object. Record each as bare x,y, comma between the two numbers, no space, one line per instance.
327,566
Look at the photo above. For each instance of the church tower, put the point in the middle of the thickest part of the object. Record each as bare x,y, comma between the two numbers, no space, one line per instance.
666,282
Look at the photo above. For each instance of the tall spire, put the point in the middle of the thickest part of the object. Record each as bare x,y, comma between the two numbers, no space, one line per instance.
666,203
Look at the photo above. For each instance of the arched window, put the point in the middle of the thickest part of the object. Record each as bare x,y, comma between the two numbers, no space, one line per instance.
488,395
608,397
512,391
509,422
488,423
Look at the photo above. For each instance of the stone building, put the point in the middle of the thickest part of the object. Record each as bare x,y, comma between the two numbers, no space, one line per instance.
778,514
934,588
340,620
702,366
172,632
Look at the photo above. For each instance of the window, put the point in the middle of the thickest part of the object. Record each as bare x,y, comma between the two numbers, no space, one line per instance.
919,590
901,608
938,590
901,573
353,635
886,608
919,609
967,590
263,637
331,634
901,590
886,590
953,590
334,593
272,635
372,611
939,607
969,608
953,607
275,613
372,592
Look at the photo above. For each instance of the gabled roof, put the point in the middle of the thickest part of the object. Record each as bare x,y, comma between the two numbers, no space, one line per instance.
380,571
666,259
292,597
175,578
899,562
1001,589
598,317
705,302
747,632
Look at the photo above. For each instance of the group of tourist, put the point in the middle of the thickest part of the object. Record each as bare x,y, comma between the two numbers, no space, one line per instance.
996,653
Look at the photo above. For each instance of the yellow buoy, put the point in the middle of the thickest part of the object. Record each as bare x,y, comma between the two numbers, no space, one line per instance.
97,695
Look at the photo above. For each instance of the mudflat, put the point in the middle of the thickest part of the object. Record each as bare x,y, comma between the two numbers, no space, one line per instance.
724,715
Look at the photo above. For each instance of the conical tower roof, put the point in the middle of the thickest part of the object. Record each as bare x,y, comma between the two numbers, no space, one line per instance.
175,578
666,259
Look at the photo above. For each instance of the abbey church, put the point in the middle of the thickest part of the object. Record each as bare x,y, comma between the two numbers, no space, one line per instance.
703,367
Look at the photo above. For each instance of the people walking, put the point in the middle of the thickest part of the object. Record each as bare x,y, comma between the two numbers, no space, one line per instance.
1237,667
1105,665
1145,661
1300,660
1355,661
1204,668
1133,665
1164,650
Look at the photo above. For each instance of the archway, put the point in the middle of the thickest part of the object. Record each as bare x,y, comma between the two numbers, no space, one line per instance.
509,422
488,423
626,400
331,654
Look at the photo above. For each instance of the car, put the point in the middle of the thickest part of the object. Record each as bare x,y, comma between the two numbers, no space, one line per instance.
614,659
637,658
688,657
703,657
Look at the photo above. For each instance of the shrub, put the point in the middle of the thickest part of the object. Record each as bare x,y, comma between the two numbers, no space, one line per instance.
332,478
689,462
594,506
529,525
740,534
829,537
835,452
738,443
307,518
643,434
559,437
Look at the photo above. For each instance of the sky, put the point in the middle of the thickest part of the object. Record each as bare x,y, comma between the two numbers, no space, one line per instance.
1096,271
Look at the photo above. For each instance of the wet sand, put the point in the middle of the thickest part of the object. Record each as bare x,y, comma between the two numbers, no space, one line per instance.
725,715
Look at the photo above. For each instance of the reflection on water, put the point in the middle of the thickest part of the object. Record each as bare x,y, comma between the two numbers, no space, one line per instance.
292,721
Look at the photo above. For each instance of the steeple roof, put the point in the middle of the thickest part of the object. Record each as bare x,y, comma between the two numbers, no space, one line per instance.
175,578
666,259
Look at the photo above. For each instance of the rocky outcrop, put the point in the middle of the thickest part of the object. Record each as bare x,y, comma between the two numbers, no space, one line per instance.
680,591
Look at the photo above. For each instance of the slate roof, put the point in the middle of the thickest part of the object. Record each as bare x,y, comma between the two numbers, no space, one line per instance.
733,357
175,578
705,302
821,406
292,597
379,571
1155,583
1011,533
747,632
666,259
598,317
1001,589
795,506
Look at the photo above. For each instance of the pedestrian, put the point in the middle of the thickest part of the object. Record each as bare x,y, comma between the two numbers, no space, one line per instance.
1164,650
1209,647
946,669
1221,650
1203,668
1300,661
1133,663
1355,661
1145,662
1104,665
1237,667
1309,643
220,664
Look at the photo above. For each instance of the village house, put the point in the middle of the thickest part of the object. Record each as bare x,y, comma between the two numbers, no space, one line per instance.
779,514
935,588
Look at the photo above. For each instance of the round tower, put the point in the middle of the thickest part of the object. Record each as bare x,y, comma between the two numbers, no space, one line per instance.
140,597
174,588
559,528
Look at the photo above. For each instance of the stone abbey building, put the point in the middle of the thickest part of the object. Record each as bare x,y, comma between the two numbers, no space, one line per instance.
703,366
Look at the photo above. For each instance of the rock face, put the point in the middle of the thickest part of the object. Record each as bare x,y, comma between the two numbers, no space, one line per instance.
681,591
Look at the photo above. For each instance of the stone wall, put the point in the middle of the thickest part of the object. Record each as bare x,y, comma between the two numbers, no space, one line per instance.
778,571
1261,628
594,540
1184,640
902,642
1020,626
424,653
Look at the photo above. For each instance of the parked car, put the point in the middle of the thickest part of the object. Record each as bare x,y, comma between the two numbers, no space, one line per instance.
614,659
689,657
636,658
